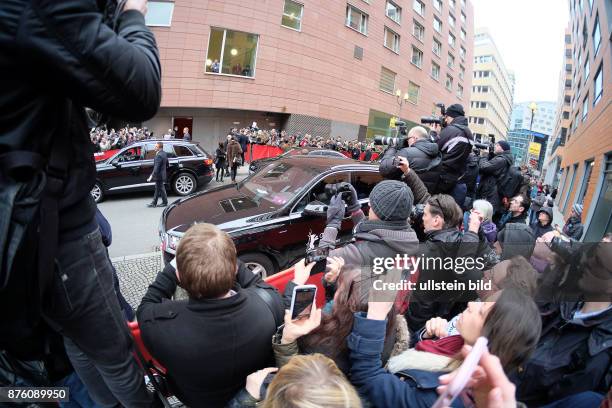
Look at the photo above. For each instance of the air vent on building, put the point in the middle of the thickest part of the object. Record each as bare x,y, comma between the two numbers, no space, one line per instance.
358,53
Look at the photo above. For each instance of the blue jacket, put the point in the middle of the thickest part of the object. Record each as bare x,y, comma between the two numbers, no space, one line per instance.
379,386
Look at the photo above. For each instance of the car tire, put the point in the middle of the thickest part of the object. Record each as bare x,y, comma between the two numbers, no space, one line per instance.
184,184
258,263
97,192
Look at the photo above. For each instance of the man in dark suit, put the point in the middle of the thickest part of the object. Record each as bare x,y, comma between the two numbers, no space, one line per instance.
159,175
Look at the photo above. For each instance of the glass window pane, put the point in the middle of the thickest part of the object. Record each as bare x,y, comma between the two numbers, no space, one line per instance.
239,53
214,50
292,15
159,13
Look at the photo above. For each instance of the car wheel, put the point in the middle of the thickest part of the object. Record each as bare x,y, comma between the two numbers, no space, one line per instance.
184,184
97,193
258,264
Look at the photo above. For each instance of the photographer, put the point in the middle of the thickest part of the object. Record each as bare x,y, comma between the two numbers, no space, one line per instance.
422,154
492,170
455,144
58,57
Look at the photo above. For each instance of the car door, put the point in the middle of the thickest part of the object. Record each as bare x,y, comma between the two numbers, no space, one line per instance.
303,224
125,171
364,182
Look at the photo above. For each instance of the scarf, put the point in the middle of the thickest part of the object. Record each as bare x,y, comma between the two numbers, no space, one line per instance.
446,346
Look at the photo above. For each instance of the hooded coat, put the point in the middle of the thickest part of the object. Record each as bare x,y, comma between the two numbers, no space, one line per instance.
537,227
491,171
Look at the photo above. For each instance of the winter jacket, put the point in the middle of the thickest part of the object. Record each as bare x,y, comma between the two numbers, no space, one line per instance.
471,174
424,158
377,385
455,145
220,157
538,228
209,346
491,171
510,218
233,152
573,355
55,51
516,239
573,228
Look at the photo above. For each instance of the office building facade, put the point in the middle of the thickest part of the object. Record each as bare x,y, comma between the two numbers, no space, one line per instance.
331,68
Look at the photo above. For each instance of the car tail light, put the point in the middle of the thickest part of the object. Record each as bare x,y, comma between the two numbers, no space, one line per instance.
208,162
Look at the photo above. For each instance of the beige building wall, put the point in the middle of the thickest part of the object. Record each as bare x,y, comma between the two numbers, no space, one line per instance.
492,90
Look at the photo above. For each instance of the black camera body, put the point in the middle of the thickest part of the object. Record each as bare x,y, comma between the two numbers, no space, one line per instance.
487,146
343,188
400,140
435,120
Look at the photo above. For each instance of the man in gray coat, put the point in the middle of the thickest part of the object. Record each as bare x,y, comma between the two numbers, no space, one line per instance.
159,175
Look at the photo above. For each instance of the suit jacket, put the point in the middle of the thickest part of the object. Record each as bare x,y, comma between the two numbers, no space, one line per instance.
159,166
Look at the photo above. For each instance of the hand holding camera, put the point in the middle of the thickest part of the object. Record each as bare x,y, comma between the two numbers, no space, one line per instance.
335,212
334,265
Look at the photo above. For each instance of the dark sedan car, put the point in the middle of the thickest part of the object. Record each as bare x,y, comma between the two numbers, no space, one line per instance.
270,214
309,151
189,167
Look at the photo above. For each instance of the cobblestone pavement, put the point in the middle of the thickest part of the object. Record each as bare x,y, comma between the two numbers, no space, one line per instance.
135,274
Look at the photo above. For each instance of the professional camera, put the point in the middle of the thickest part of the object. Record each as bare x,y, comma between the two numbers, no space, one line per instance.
487,146
344,189
416,221
400,139
439,120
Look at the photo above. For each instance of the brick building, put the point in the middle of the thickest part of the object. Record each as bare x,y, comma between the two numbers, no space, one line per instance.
326,67
582,144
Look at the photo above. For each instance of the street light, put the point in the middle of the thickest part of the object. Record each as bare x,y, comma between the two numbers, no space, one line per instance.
533,107
400,101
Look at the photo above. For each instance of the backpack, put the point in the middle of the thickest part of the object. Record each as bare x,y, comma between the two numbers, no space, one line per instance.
510,182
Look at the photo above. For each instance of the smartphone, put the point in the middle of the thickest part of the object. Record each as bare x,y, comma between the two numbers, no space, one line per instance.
464,374
301,301
318,255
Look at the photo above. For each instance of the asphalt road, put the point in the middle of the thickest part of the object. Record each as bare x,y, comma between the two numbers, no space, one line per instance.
135,225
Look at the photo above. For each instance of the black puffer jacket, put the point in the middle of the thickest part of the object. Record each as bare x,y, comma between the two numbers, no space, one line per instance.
424,158
491,170
455,145
55,51
573,355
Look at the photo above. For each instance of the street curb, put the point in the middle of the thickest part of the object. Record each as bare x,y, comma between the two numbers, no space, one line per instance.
137,256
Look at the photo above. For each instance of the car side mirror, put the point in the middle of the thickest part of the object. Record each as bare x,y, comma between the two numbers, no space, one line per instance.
316,208
116,163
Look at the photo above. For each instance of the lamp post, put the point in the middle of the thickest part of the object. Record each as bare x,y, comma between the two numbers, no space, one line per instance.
533,107
400,101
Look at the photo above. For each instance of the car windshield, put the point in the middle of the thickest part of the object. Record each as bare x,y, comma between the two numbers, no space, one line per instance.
279,183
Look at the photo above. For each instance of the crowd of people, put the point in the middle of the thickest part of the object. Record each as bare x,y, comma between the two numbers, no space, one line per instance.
540,297
104,139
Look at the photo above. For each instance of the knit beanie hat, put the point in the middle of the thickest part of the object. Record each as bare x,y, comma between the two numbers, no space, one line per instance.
504,145
578,208
391,200
455,110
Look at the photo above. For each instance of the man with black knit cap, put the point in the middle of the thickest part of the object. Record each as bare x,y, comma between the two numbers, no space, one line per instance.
492,169
455,144
385,232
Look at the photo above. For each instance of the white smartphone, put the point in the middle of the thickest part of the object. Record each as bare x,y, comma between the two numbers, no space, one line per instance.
301,301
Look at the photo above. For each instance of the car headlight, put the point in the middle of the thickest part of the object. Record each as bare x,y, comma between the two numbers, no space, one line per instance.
173,242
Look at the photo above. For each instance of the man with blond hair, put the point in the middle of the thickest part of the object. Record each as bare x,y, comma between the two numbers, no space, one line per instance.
211,341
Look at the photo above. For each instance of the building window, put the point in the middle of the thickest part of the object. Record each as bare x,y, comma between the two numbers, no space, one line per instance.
437,47
449,82
459,91
417,57
566,115
463,18
451,21
419,7
231,52
392,40
463,35
418,31
587,68
461,72
394,12
598,91
292,15
413,92
451,61
588,170
438,5
451,40
437,24
585,107
462,53
387,80
159,13
356,19
435,71
596,37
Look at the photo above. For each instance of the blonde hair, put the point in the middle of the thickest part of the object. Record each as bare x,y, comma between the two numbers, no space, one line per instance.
311,381
206,262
